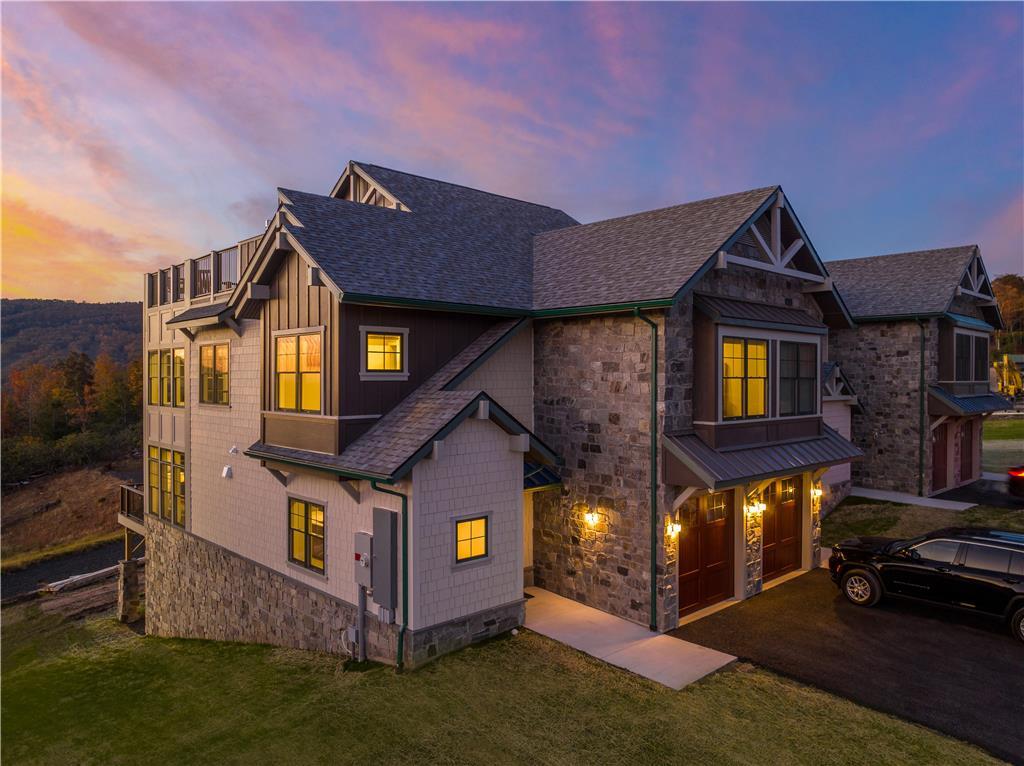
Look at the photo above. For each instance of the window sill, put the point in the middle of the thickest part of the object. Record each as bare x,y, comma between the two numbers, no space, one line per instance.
460,566
306,570
378,376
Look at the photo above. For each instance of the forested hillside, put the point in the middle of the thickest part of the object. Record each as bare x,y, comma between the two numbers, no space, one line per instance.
45,331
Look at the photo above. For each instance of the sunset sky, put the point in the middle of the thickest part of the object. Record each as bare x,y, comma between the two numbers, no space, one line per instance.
138,134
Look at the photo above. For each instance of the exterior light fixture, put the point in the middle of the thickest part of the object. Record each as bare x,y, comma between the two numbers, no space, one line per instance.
674,528
816,492
591,518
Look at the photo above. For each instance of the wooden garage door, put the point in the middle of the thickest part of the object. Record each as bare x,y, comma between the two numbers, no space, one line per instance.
705,552
782,533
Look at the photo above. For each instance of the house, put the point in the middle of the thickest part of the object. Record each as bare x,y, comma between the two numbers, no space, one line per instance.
429,396
919,360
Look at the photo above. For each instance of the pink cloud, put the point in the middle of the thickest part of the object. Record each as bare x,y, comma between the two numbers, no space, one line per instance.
1001,238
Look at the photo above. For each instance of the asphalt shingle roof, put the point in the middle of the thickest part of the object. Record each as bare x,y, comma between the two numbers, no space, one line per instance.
457,245
901,284
646,256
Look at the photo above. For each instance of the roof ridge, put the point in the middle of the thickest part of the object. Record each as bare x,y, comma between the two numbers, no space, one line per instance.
461,186
905,252
640,213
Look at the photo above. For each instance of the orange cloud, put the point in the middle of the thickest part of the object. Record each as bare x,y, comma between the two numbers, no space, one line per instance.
1001,238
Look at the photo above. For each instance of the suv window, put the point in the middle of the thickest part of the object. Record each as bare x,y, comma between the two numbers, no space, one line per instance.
943,551
1017,564
988,558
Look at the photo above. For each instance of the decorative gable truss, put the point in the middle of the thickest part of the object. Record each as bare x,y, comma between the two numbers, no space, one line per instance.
774,241
356,185
835,387
975,282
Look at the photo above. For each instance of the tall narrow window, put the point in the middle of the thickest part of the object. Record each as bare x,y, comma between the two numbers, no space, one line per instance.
154,480
980,358
166,483
179,489
153,373
963,356
297,361
213,374
179,377
166,378
798,377
471,539
306,534
202,278
744,378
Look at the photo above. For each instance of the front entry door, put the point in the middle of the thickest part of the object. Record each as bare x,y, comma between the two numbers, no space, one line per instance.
782,517
705,552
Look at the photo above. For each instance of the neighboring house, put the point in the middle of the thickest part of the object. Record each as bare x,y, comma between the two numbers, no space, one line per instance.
919,360
631,413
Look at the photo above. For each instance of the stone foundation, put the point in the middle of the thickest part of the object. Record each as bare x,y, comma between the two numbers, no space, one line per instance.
130,589
197,589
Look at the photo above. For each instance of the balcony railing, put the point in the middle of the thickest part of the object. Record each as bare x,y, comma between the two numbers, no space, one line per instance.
133,502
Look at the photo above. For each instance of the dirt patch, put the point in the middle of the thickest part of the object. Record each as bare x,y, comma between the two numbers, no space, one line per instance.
61,508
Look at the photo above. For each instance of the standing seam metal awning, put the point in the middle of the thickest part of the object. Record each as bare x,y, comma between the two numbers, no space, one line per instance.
719,469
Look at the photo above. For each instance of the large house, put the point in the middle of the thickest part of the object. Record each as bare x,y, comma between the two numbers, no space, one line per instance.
438,395
919,359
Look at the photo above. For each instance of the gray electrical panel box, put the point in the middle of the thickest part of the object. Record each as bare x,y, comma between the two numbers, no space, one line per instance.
364,559
385,558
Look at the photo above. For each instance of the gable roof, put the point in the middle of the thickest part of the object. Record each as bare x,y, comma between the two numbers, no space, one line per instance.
918,283
396,442
641,257
455,244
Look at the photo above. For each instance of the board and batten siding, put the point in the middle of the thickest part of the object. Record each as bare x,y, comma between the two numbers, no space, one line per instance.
295,305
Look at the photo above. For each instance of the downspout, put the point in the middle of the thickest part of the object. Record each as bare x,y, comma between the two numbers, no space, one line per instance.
654,467
399,661
920,417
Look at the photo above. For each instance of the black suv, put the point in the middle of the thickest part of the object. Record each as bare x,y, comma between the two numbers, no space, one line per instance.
971,568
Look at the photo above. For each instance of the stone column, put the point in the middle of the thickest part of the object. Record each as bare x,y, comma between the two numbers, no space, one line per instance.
753,521
129,590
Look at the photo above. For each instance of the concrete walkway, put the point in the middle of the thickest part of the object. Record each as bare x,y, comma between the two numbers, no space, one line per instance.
667,660
908,499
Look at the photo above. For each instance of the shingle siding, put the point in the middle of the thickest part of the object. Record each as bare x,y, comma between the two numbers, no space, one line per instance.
507,376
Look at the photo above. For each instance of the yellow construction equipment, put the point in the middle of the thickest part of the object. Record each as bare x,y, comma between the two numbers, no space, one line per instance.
1008,377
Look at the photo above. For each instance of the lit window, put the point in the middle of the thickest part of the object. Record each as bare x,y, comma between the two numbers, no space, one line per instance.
471,539
744,378
179,377
715,509
383,352
297,360
166,378
788,490
154,377
167,486
306,534
213,374
798,378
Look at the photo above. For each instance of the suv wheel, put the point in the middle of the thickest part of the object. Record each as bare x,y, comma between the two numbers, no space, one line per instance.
861,588
1017,624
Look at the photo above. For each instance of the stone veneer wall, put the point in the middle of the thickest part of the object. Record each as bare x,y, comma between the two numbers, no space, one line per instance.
881,360
592,406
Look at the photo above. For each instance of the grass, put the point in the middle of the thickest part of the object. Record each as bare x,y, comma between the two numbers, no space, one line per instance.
998,429
95,692
24,559
857,516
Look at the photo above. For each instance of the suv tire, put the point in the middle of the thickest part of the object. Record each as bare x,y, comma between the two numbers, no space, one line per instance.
861,587
1017,623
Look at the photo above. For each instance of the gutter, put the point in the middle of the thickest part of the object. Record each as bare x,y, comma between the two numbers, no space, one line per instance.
920,416
654,466
399,662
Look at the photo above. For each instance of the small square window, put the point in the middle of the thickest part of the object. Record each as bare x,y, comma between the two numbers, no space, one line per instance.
384,353
471,539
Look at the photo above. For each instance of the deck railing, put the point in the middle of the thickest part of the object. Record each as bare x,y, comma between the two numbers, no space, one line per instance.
133,501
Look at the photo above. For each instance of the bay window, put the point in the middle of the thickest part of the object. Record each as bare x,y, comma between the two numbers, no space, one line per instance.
971,360
297,372
798,378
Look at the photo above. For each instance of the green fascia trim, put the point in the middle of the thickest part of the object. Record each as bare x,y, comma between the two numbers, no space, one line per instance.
318,467
465,308
605,308
653,427
475,364
899,317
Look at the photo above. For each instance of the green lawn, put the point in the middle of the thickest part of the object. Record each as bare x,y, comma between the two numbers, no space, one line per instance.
1003,428
97,693
859,516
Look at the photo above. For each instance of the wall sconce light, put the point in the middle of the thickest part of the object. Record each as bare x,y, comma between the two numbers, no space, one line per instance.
816,492
674,528
591,518
753,508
